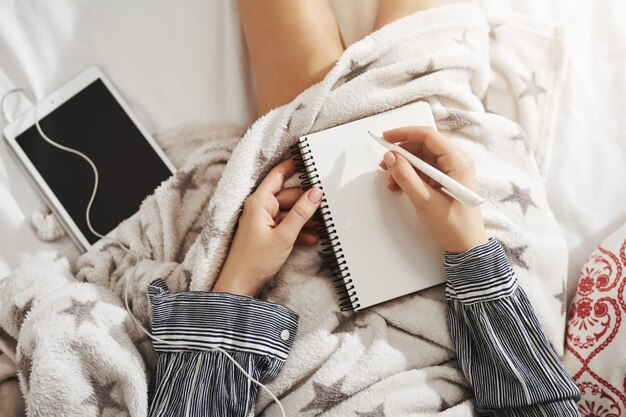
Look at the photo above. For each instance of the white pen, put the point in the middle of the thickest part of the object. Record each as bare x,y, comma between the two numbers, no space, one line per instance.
449,186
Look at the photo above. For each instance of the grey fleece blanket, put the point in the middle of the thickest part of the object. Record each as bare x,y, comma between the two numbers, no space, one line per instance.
79,353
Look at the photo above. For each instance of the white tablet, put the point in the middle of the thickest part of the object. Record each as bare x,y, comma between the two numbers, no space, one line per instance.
89,115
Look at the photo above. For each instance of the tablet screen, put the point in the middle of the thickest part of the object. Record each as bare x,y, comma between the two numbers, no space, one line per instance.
94,123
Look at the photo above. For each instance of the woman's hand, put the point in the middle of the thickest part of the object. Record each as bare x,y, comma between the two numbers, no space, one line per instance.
272,221
454,225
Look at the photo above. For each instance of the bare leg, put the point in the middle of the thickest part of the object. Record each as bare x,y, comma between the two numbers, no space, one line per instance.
292,44
390,10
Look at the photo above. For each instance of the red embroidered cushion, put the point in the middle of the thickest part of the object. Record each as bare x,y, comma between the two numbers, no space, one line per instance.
596,335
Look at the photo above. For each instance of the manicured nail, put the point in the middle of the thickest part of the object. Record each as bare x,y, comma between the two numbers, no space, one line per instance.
315,195
389,158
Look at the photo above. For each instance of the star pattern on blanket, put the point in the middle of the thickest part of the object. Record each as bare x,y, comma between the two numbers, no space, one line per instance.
7,338
20,313
143,227
211,229
561,297
111,268
492,31
356,70
346,323
185,181
326,396
205,238
520,136
188,239
430,69
187,274
520,196
297,109
263,157
376,412
81,312
532,88
465,41
444,404
515,254
108,246
25,366
456,120
101,397
494,225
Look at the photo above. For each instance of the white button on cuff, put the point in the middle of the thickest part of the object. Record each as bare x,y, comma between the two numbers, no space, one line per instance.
284,335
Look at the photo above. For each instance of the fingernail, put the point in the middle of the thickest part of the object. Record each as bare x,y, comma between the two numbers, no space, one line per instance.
315,195
389,158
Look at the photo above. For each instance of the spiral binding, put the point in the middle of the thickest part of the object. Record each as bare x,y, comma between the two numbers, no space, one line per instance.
332,252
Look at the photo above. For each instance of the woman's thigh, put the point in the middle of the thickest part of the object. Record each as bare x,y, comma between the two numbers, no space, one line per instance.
292,44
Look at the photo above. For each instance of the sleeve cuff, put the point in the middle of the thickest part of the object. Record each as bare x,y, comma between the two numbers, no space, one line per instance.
200,320
480,274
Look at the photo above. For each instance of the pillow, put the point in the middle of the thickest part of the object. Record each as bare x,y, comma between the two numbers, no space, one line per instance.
596,336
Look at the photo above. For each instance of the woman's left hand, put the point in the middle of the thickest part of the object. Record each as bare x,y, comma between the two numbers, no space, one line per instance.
273,219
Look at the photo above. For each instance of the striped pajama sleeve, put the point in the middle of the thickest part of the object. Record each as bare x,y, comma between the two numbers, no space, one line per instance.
190,379
501,347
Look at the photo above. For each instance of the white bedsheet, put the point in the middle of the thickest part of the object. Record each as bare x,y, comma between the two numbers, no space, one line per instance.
187,63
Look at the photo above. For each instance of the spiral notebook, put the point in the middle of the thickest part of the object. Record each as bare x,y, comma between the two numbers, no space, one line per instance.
375,246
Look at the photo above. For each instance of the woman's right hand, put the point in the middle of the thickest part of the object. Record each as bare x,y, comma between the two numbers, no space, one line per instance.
454,225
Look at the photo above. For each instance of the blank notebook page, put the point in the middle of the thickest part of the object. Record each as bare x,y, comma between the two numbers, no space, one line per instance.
387,250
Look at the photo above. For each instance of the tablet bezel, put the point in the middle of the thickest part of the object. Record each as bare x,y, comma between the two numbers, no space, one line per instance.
47,106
